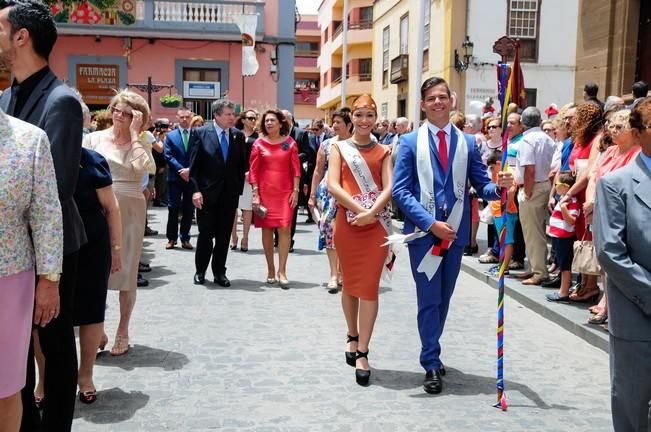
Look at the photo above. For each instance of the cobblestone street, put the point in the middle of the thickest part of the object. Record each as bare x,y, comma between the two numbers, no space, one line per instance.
255,357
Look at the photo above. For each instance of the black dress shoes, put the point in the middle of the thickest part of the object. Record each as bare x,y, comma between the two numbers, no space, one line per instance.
554,282
442,370
142,282
199,278
222,280
433,384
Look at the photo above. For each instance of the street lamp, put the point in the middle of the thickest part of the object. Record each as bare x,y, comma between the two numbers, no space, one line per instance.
462,65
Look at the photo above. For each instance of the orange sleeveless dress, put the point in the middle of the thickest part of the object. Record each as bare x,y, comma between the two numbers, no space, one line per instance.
361,256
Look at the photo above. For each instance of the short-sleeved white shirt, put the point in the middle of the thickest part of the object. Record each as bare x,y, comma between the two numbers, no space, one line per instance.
536,148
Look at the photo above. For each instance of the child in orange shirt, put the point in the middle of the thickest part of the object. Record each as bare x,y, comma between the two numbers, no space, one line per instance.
494,163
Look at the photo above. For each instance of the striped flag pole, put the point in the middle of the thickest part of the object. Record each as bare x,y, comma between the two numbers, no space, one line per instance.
505,96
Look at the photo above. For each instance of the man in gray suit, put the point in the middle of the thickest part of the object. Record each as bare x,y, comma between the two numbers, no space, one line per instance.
27,35
622,238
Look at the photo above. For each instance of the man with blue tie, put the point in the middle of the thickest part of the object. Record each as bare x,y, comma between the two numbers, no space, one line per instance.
177,152
430,185
217,169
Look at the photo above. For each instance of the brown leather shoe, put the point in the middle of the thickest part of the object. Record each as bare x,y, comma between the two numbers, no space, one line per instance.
532,281
170,245
186,245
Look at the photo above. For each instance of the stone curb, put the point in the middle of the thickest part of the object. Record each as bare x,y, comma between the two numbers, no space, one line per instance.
572,319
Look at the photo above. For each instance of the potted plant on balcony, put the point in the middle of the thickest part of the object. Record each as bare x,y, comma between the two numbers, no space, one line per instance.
171,101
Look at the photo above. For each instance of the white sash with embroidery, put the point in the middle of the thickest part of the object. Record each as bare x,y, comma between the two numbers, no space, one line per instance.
369,194
431,262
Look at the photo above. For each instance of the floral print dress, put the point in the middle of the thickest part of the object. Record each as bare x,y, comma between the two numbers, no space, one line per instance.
326,204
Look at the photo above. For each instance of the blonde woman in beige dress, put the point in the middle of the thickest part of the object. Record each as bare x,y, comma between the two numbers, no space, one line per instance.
123,146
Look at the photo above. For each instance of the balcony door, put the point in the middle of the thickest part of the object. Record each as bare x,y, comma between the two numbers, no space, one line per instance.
643,69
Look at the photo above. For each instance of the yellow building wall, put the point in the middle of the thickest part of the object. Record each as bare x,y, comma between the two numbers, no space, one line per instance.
447,31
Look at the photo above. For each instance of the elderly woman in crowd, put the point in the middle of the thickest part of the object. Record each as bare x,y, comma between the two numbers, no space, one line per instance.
123,147
362,195
246,123
30,220
624,130
274,174
342,126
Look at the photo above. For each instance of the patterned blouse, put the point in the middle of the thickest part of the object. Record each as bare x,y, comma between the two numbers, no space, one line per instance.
28,201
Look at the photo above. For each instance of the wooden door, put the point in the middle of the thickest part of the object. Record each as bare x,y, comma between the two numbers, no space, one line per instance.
643,69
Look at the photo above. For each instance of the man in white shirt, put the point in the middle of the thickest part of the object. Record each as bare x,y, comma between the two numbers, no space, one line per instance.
533,163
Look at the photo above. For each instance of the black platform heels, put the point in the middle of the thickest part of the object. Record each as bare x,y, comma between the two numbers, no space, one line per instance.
350,355
362,376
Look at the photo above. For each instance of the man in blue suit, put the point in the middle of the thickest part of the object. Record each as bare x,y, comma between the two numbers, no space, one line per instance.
177,153
430,185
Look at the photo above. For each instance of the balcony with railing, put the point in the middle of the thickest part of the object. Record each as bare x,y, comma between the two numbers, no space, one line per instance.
185,19
400,69
305,96
356,84
359,32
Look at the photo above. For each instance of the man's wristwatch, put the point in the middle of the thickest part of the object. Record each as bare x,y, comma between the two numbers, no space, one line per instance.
52,277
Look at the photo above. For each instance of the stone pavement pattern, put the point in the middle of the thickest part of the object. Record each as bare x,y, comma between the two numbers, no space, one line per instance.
254,357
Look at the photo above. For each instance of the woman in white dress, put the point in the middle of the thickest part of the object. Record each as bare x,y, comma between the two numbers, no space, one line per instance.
246,123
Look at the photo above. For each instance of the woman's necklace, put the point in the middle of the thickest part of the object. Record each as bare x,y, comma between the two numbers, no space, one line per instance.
362,146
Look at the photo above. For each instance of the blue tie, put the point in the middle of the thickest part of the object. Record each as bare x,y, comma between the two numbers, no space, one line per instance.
224,145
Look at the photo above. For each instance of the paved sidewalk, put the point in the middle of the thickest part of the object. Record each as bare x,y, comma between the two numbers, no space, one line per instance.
254,357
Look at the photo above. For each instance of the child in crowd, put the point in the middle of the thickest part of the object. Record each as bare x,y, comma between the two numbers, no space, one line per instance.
494,163
561,230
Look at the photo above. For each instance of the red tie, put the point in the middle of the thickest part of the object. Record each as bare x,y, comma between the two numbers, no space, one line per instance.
443,150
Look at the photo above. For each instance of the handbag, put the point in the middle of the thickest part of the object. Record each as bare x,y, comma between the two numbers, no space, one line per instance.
585,258
486,215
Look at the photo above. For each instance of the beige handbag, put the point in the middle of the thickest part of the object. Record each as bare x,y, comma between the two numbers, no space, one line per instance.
585,258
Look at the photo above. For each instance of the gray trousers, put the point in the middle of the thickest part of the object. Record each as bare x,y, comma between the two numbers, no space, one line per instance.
630,378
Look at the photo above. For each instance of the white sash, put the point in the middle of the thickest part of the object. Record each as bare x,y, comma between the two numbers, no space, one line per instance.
430,262
370,193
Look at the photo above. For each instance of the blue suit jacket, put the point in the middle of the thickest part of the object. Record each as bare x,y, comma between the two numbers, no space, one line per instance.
175,154
406,190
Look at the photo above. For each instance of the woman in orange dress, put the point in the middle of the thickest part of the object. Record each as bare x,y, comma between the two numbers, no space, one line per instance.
359,232
274,173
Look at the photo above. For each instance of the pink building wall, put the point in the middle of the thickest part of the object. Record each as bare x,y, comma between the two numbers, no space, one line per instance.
158,61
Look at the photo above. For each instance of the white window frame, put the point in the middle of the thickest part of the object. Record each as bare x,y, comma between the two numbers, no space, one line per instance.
525,13
404,34
386,62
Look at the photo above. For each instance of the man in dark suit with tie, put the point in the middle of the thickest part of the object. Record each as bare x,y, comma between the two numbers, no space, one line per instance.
28,34
622,238
177,153
217,169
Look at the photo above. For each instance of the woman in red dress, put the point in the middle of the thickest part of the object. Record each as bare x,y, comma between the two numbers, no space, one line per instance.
274,175
358,234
